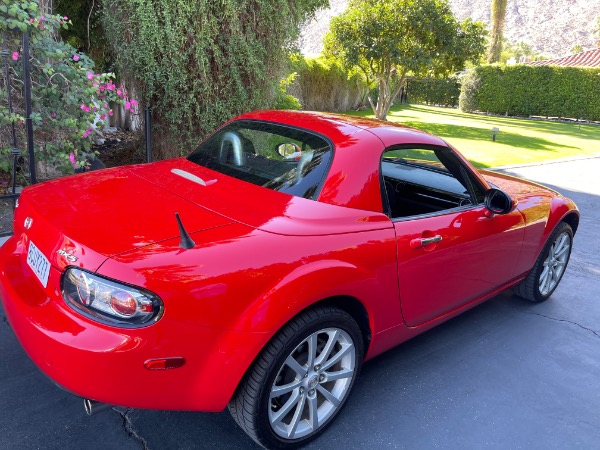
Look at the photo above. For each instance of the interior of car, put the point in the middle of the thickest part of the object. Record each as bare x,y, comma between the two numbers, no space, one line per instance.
418,181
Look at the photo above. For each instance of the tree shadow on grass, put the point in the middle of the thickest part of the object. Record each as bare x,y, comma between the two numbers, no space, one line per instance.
587,131
481,134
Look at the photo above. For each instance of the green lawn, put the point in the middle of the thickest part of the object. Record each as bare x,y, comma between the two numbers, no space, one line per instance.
519,141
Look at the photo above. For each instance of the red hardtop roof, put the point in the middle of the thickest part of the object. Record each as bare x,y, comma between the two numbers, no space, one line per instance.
339,127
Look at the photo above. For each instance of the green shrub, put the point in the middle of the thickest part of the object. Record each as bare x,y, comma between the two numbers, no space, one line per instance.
324,85
469,86
523,90
200,62
434,91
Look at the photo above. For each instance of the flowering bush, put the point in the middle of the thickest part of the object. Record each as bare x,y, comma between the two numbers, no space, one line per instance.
71,102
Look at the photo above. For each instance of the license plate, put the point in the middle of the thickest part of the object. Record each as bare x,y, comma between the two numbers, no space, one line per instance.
38,263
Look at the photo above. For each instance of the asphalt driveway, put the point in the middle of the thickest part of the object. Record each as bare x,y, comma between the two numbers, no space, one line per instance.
507,374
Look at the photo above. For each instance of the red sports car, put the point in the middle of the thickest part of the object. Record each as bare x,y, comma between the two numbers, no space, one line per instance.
263,269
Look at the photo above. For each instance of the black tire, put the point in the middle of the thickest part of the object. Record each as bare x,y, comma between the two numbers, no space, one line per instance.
253,407
530,288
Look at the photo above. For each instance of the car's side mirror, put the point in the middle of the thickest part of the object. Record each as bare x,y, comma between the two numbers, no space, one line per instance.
498,202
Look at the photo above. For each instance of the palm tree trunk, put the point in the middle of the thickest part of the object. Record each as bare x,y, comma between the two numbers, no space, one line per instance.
497,19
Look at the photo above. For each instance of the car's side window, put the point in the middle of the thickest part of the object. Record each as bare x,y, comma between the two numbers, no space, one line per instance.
426,180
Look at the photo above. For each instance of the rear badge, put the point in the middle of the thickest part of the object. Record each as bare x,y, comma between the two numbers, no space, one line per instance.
67,256
28,223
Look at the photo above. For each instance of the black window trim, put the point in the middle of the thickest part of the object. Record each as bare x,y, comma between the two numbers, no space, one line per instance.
469,181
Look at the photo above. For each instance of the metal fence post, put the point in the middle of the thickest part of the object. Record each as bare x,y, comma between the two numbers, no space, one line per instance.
28,109
148,129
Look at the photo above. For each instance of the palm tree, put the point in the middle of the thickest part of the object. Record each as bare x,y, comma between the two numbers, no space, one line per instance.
497,24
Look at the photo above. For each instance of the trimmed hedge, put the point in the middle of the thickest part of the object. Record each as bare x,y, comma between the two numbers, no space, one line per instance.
434,91
536,90
324,85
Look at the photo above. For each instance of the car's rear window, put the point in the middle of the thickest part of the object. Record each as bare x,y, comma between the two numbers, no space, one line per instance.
277,157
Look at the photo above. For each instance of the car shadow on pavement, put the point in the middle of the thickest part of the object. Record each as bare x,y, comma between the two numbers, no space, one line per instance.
505,374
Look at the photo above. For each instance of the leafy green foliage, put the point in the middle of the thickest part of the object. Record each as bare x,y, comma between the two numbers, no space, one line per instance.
470,84
86,33
388,39
324,84
70,101
516,51
434,91
284,99
200,62
551,91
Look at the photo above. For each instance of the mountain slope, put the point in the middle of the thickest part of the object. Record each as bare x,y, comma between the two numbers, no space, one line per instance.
551,27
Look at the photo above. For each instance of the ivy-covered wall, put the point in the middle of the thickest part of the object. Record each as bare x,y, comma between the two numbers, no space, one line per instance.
523,90
200,62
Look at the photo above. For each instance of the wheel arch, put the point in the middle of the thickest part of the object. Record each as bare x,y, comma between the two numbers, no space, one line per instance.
572,219
356,309
351,305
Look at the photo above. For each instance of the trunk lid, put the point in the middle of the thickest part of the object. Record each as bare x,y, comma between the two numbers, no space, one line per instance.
101,214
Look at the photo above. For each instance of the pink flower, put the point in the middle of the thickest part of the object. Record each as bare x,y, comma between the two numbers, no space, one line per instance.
103,117
53,115
105,106
73,160
83,106
119,92
132,110
31,20
43,17
76,57
65,18
134,103
110,112
15,56
87,133
110,87
127,105
95,84
90,75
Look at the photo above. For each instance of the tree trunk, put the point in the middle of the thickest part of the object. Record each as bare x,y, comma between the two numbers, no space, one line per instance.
498,16
384,102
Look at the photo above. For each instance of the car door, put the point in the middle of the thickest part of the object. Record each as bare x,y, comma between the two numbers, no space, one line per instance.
451,251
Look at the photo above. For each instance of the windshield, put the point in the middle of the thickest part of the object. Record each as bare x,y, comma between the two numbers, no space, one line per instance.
277,157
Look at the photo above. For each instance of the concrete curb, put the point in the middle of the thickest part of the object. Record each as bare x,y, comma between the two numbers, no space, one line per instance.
545,163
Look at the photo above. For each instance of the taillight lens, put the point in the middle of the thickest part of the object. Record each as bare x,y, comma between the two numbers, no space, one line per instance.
109,301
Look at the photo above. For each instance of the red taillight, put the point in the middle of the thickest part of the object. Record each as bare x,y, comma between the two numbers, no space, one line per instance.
164,363
123,303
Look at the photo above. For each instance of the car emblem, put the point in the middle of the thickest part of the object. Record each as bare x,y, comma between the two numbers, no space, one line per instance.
67,256
28,223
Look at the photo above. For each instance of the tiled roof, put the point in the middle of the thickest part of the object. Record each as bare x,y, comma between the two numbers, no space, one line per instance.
591,58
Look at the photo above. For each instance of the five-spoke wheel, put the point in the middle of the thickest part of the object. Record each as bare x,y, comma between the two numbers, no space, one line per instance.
549,267
301,380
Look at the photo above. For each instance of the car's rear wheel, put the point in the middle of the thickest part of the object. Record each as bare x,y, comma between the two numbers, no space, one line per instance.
301,380
549,267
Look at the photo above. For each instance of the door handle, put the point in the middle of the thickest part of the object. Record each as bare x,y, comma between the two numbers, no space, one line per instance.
422,242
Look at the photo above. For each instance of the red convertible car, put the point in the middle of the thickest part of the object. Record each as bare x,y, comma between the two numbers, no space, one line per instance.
263,269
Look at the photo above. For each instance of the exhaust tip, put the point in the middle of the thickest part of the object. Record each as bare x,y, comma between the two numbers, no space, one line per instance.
92,407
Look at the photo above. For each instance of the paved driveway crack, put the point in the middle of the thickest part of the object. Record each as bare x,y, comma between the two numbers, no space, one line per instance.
596,333
128,426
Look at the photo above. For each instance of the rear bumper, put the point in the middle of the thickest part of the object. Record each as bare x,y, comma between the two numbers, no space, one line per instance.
105,363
